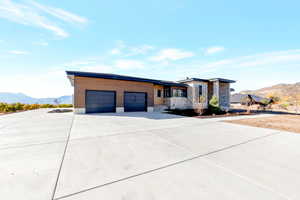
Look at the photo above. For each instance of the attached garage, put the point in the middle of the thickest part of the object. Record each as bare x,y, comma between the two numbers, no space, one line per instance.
135,101
100,101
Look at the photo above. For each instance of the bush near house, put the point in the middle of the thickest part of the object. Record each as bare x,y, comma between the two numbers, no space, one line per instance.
15,107
213,107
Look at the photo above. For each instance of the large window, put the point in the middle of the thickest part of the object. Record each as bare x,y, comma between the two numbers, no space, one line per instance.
158,93
167,92
179,92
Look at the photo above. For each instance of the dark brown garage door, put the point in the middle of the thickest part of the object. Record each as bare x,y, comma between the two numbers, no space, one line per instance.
100,101
135,101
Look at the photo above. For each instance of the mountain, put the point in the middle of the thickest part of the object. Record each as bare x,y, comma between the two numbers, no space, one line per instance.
22,98
280,90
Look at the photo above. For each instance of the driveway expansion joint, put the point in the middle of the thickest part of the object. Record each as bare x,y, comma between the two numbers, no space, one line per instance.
167,166
63,158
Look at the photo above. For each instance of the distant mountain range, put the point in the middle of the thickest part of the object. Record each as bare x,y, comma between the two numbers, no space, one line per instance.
280,90
7,97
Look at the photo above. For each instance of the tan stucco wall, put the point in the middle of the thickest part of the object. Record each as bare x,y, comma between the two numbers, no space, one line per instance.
81,84
158,100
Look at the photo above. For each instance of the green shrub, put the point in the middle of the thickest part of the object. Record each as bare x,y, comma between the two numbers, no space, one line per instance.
48,106
213,107
214,101
5,107
19,106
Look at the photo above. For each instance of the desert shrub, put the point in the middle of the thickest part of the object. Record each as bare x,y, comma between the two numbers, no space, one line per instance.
27,107
284,106
10,108
48,106
19,106
65,105
3,106
34,106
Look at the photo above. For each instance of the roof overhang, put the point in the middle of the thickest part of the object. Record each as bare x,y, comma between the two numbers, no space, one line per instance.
72,74
223,80
71,79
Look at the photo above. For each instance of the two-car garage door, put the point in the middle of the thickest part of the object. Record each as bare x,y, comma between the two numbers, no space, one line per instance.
105,101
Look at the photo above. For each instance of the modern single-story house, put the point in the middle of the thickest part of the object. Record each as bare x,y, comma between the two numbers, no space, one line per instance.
100,92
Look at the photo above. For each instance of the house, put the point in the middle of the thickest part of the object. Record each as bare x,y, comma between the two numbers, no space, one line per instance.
243,99
99,92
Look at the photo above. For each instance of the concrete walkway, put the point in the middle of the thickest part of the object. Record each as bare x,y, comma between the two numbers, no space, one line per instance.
134,156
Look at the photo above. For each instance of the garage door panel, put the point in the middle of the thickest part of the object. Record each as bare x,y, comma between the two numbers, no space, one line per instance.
135,101
100,101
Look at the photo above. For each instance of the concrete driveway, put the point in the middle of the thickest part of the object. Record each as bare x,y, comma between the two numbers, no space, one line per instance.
144,156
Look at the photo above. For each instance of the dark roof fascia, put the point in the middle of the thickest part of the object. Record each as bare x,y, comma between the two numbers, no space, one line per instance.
193,79
125,78
222,80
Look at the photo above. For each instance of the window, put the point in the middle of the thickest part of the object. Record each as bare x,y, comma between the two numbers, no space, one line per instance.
167,92
200,93
179,92
158,93
200,90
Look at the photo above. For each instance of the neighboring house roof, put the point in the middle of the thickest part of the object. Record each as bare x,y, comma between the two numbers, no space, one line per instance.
239,98
125,78
207,80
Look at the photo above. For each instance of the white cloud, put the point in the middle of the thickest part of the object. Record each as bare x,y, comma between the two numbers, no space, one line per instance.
61,14
126,51
214,49
41,43
259,60
129,64
172,54
116,51
37,15
16,52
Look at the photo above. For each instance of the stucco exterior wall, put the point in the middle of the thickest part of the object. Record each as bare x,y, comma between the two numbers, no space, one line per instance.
81,84
179,103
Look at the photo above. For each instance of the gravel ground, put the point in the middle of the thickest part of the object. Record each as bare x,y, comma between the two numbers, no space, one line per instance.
289,123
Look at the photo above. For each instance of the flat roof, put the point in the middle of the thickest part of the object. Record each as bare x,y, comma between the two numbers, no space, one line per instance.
208,80
124,78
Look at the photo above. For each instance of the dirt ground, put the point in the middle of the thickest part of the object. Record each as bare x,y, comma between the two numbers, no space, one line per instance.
281,122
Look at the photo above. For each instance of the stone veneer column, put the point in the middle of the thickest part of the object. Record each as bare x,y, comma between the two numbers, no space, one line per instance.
216,90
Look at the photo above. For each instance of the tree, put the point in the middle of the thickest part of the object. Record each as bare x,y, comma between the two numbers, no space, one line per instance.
248,101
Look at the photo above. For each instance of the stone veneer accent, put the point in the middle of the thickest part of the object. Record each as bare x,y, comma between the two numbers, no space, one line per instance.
224,95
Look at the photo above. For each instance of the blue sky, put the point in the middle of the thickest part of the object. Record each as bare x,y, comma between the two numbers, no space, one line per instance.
253,42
